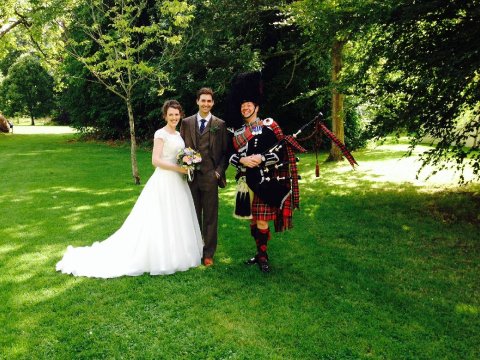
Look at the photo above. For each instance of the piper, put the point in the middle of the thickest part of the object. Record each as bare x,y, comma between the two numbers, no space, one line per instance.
267,180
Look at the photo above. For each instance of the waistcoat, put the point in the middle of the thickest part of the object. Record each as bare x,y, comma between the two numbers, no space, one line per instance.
203,141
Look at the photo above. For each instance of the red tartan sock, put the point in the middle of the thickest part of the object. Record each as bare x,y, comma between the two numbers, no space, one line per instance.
263,235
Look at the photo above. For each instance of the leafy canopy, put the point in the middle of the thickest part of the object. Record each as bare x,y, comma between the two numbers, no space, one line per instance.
421,74
27,89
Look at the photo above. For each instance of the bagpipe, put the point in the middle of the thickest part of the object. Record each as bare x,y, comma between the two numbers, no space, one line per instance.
274,183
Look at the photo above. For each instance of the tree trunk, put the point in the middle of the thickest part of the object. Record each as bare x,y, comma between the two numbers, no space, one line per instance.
33,120
133,143
337,101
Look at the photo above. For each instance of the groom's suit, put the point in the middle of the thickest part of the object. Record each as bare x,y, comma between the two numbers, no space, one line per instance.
212,145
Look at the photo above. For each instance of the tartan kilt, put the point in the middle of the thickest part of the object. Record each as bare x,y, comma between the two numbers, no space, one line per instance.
262,211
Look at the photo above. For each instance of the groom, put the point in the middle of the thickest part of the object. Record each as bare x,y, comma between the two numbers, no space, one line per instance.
207,134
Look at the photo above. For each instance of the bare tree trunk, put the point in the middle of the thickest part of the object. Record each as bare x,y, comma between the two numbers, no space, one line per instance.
337,101
133,143
32,117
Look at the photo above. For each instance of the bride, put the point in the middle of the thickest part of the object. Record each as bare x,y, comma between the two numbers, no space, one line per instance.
161,235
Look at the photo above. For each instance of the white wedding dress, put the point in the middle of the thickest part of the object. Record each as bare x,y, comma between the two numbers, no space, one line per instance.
160,236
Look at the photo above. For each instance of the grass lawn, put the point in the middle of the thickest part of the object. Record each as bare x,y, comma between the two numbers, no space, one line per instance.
376,267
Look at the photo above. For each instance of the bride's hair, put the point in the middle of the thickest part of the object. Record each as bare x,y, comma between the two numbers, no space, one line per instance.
171,104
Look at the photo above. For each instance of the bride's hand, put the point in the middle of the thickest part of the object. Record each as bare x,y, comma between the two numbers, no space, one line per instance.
183,170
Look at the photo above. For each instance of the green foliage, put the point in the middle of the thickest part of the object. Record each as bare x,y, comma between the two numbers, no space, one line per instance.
217,45
421,75
372,269
409,66
27,89
8,60
119,37
230,37
324,21
35,26
89,106
323,24
356,136
224,38
126,47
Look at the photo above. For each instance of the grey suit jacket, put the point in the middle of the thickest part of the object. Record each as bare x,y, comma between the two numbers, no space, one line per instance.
218,141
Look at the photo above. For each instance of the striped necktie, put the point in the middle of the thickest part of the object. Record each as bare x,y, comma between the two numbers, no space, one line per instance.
202,125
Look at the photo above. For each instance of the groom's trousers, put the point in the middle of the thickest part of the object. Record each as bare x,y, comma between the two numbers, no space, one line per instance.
204,190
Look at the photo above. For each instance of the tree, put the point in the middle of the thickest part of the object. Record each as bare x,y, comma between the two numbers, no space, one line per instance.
228,37
34,25
421,75
8,60
223,39
118,48
331,25
27,89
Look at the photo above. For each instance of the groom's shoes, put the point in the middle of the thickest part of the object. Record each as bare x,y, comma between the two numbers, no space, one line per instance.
207,262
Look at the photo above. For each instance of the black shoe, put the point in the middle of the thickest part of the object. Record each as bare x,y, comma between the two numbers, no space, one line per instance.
264,267
251,261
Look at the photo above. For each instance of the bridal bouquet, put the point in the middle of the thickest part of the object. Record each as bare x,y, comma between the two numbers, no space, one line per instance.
190,160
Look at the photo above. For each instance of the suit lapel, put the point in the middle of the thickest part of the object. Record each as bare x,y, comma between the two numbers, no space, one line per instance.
193,130
213,137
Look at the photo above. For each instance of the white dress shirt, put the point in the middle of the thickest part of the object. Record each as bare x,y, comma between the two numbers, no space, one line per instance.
199,119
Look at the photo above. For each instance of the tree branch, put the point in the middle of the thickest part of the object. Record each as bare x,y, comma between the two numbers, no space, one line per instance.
4,30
